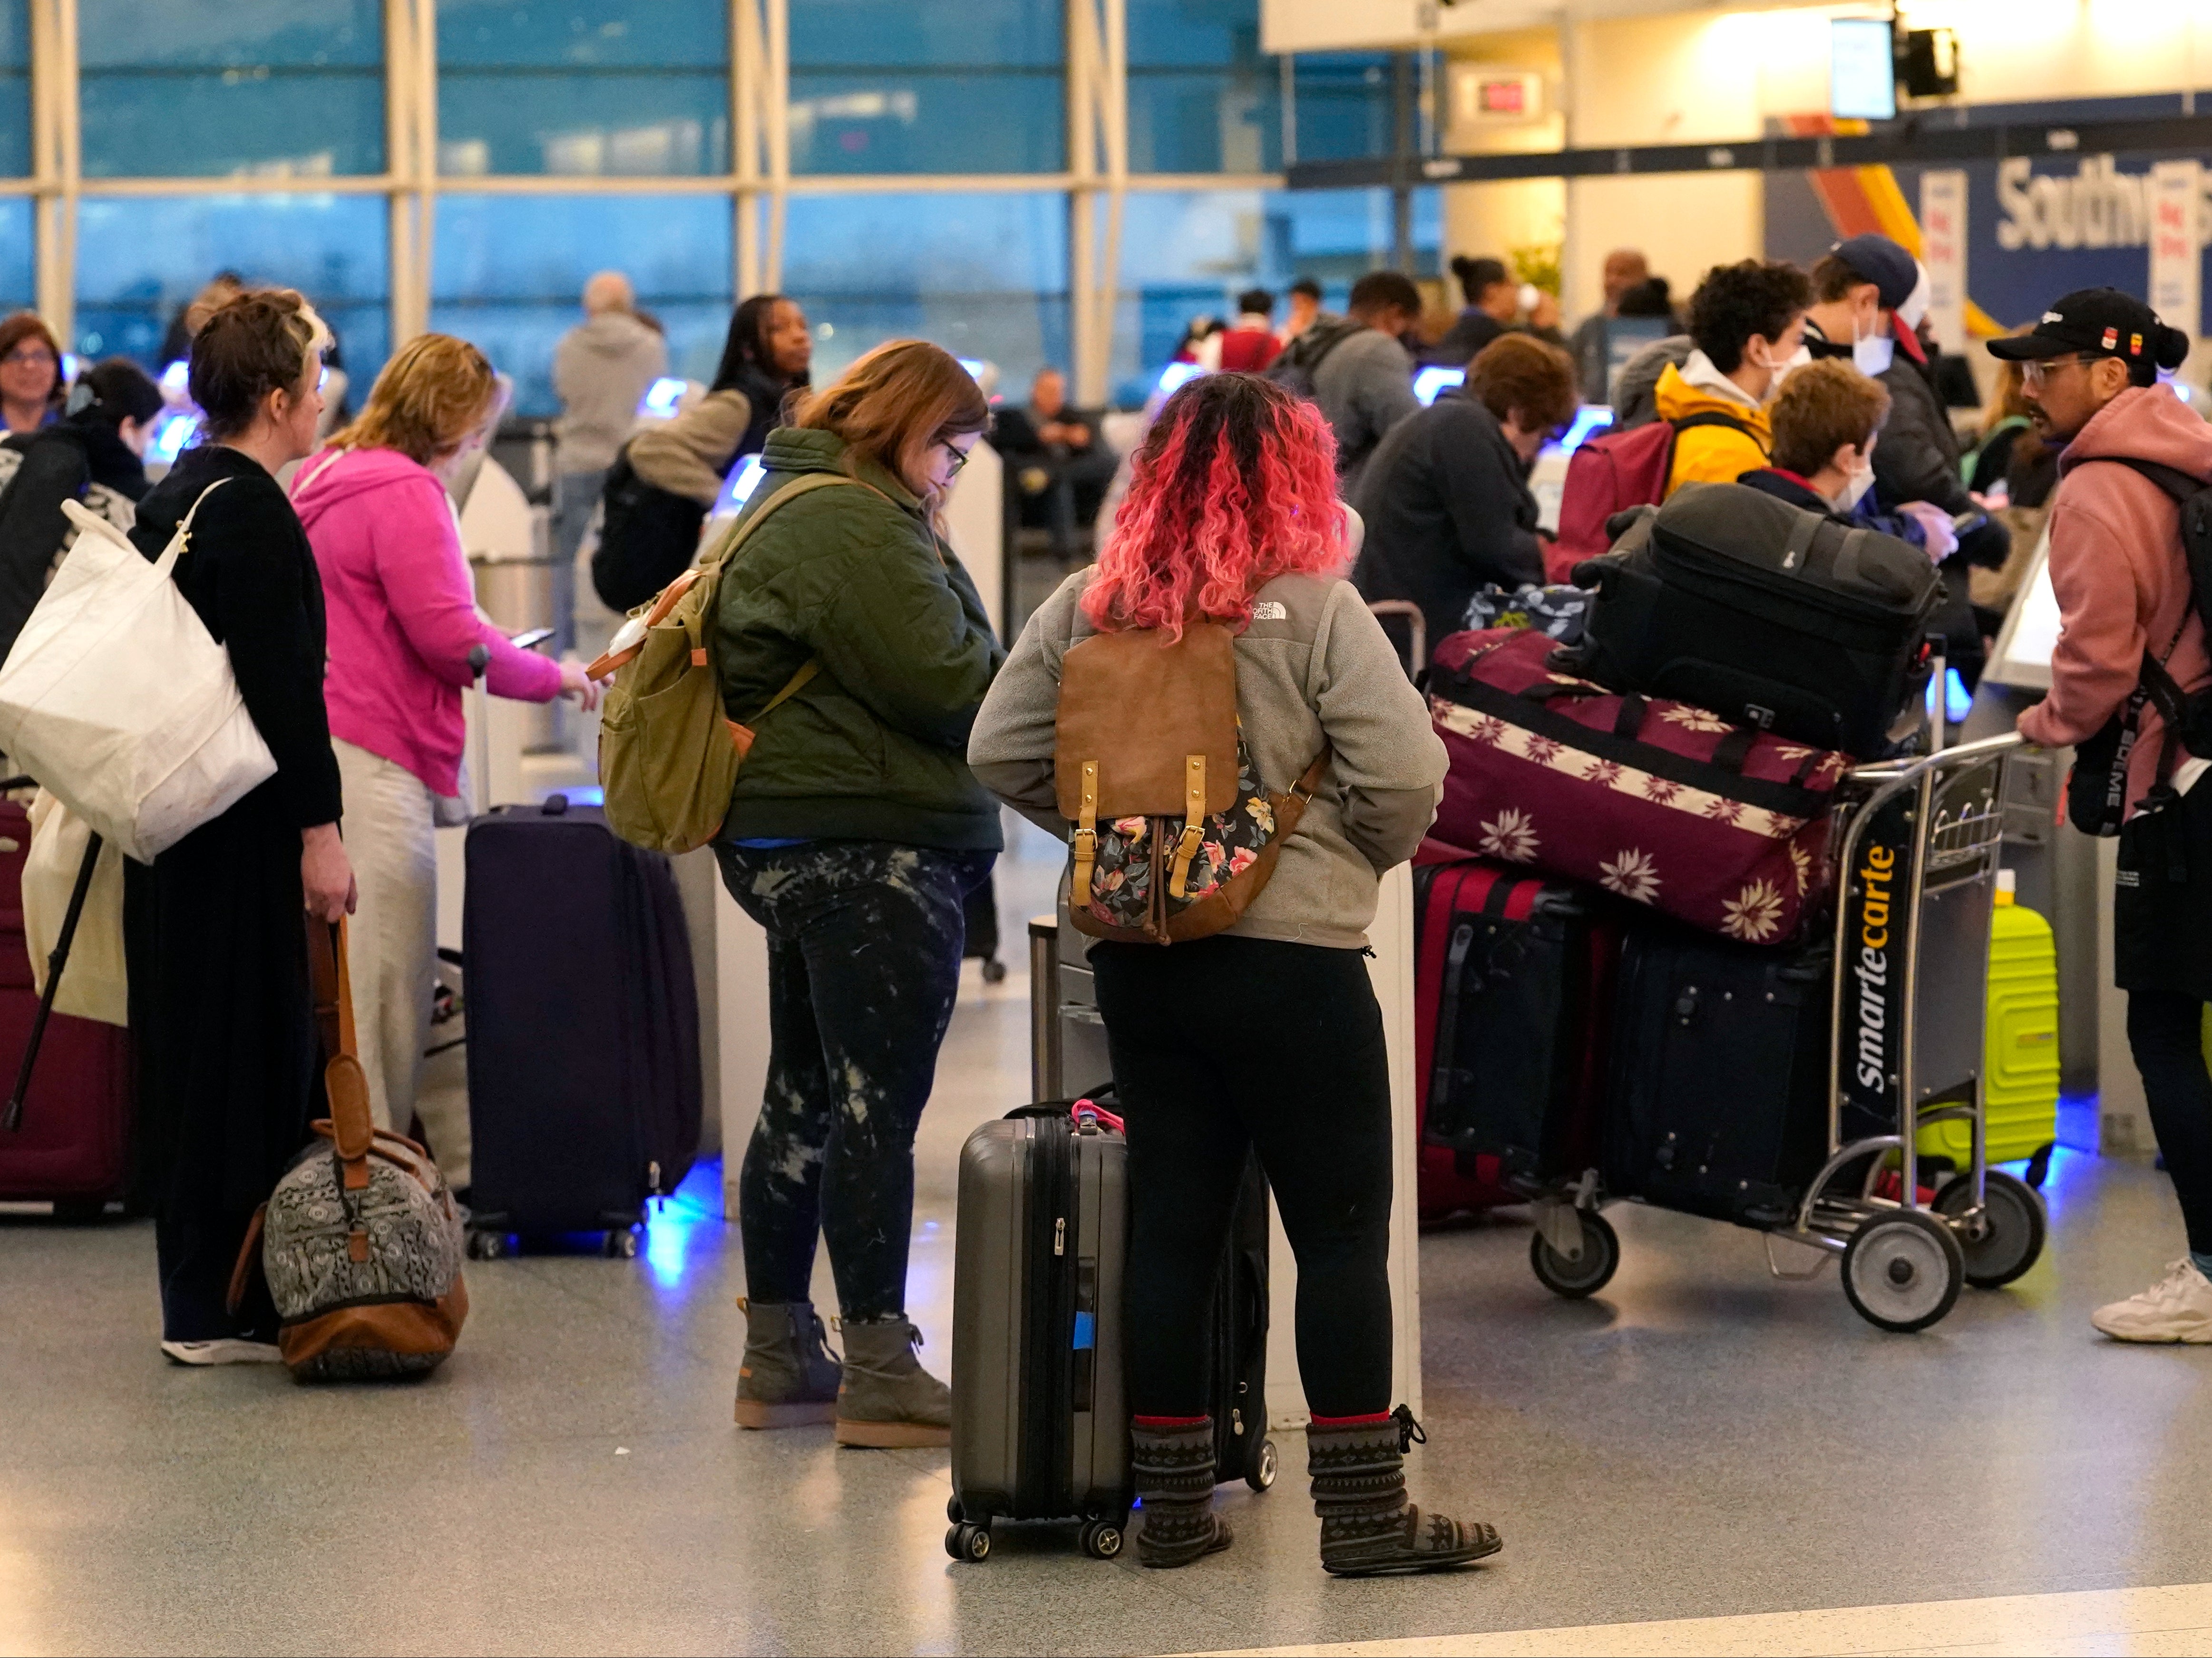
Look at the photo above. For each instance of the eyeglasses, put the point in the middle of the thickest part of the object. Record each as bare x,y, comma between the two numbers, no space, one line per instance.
2035,372
33,356
959,459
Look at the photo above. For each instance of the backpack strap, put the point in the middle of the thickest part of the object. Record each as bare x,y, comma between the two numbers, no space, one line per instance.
1712,418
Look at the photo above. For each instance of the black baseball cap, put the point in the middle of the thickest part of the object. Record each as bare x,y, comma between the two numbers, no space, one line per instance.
2099,322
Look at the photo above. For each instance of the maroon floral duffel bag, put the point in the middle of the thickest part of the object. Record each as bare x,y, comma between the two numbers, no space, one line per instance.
1665,804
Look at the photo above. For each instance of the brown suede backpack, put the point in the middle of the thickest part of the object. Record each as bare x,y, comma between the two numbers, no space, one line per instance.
1175,834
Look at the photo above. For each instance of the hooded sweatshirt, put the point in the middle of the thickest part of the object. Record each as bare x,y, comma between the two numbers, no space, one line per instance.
1711,454
602,366
403,615
2121,576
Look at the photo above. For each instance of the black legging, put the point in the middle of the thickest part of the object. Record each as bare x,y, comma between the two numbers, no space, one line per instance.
1229,1043
2166,1029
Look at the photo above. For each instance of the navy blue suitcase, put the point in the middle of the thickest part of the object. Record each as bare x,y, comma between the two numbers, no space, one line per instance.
583,1027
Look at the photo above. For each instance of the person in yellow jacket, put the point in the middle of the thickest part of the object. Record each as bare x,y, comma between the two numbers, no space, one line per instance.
1747,321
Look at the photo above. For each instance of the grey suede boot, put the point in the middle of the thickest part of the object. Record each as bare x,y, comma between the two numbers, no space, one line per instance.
788,1377
1368,1528
888,1402
1172,1468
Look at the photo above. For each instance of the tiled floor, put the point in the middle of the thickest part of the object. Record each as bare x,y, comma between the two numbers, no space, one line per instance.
1700,1442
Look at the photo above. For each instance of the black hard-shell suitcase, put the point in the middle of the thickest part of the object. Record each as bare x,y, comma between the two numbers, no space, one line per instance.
1772,616
980,909
1517,972
1040,1414
1720,1075
583,1027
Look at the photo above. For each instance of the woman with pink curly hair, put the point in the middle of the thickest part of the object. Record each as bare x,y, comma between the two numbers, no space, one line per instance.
1266,1036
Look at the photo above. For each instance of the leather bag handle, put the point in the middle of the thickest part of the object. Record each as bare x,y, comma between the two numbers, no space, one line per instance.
352,1124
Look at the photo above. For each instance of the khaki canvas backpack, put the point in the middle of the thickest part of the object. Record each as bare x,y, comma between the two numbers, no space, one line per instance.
1175,834
669,753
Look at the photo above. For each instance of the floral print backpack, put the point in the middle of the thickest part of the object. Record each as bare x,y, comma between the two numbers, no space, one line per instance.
1175,833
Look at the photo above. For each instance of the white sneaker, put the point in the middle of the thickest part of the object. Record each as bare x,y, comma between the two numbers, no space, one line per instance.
2178,1308
227,1351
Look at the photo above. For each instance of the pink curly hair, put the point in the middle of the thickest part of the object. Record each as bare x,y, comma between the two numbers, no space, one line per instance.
1234,485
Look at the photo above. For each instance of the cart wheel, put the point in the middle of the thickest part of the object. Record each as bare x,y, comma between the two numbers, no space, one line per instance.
994,972
1264,1466
487,1246
1903,1271
1102,1538
966,1542
1576,1278
2038,1166
2013,1226
953,1510
621,1244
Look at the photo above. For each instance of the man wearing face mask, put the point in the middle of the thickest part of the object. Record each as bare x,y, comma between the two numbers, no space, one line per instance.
1825,421
1746,321
1868,297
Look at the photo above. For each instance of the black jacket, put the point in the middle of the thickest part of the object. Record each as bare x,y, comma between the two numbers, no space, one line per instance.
1448,509
250,575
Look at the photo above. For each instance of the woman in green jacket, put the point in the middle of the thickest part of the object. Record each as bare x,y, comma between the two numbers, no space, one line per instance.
854,833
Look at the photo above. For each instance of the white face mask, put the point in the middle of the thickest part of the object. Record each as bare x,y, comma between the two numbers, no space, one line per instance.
1873,355
1855,487
1780,368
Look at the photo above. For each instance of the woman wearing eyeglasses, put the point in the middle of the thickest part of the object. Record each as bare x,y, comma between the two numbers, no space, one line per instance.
856,831
30,373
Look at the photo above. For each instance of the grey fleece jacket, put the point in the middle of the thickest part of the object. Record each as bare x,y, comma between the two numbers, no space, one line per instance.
601,367
1315,666
1363,386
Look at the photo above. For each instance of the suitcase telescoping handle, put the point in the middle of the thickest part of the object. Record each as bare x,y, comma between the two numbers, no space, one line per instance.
1089,1111
11,1119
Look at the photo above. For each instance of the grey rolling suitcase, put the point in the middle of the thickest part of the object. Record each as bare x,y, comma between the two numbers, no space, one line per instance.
1040,1426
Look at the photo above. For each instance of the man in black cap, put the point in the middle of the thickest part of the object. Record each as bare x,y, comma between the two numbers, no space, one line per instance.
2131,654
1869,298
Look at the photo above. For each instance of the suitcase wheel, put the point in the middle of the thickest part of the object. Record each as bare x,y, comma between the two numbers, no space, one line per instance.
1576,1277
994,970
966,1542
621,1244
1262,1473
487,1246
954,1511
1903,1271
2006,1238
1102,1538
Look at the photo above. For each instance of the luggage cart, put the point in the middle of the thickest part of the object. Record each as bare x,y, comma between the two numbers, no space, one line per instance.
1914,861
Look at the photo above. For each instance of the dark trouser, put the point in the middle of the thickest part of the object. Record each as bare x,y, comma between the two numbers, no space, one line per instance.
2162,957
195,1256
863,961
1231,1043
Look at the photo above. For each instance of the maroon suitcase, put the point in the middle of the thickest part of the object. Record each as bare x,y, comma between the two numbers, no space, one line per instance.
73,1147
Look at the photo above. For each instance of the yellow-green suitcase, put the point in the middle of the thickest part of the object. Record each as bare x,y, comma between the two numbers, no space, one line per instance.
2020,1044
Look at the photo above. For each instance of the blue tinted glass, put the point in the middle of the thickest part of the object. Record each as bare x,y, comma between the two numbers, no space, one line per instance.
18,273
888,86
15,91
983,275
1189,254
1345,104
1202,98
584,88
507,271
139,260
284,87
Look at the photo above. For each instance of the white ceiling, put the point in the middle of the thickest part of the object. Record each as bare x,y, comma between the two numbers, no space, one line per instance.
1346,25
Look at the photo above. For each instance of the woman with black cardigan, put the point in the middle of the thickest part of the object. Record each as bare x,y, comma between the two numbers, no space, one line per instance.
230,1072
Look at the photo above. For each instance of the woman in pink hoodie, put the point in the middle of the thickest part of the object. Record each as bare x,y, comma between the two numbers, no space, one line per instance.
403,622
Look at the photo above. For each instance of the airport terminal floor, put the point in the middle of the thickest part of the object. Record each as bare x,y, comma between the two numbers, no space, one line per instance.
1700,1442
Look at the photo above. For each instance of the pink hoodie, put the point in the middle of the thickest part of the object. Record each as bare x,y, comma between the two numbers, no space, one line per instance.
403,617
2121,577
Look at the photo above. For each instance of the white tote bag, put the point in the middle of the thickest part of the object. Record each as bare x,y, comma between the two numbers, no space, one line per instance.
118,699
96,983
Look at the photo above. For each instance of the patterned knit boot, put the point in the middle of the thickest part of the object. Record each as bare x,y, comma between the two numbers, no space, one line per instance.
1368,1528
1171,1461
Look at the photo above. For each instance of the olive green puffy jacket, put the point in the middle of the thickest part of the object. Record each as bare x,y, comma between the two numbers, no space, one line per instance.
874,747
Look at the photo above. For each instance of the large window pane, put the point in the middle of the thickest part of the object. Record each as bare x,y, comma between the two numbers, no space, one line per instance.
1202,98
270,87
14,88
1188,254
507,272
18,276
891,86
983,275
1345,104
139,260
583,87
